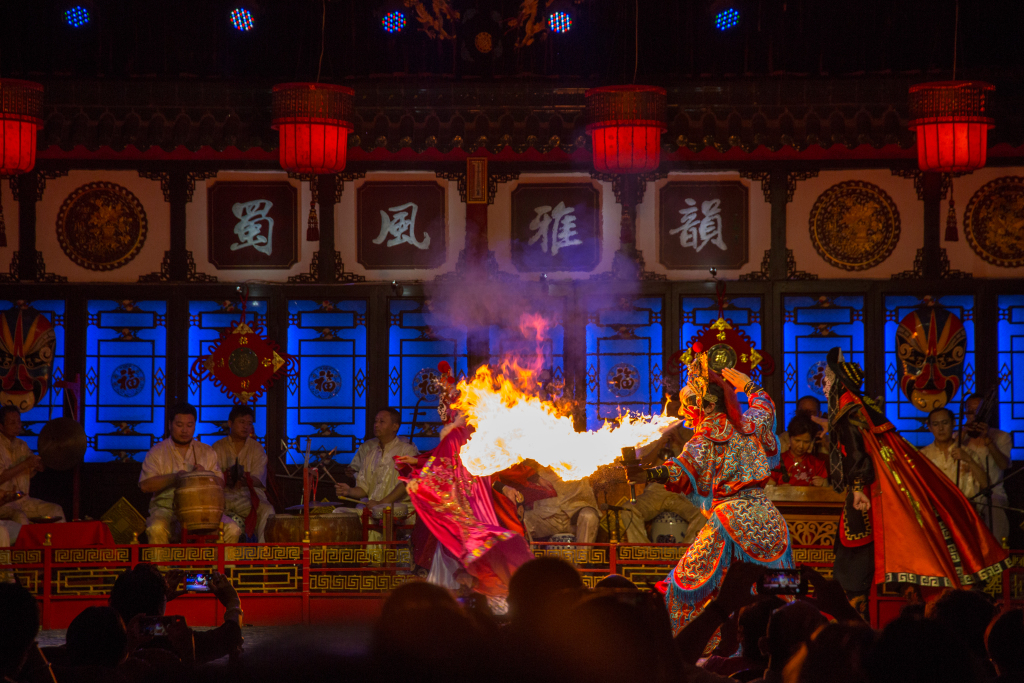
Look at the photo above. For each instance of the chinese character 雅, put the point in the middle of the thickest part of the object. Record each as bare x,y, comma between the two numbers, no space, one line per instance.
557,224
249,229
697,235
401,227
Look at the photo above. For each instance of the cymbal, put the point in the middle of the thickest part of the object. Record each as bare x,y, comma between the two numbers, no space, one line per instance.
62,443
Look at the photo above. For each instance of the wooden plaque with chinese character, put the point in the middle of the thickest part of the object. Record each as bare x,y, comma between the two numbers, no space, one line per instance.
401,225
253,225
703,224
556,227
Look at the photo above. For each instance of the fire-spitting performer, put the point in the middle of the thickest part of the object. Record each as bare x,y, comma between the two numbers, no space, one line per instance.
903,520
722,470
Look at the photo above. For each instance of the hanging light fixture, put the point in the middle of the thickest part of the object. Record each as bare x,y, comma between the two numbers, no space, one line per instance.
625,123
21,109
951,126
313,121
949,119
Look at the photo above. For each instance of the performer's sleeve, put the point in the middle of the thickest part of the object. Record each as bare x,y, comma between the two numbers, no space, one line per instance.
153,465
760,416
259,463
691,473
857,468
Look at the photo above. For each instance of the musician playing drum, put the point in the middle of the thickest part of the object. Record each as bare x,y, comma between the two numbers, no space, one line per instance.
17,465
163,465
244,463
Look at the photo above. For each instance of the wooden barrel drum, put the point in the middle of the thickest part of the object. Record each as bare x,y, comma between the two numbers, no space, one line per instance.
199,501
340,527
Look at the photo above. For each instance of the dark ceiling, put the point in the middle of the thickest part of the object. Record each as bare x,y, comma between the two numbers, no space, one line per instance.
677,40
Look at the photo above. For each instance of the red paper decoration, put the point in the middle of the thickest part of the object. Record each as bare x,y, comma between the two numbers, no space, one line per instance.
625,123
21,108
243,365
952,129
313,121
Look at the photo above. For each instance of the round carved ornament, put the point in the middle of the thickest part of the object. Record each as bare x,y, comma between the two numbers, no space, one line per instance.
854,225
101,226
994,222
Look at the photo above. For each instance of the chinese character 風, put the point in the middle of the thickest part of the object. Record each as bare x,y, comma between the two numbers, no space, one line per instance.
249,229
401,227
698,234
555,226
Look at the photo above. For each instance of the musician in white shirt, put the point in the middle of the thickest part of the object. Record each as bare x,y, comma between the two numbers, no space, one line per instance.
17,466
162,468
241,448
990,449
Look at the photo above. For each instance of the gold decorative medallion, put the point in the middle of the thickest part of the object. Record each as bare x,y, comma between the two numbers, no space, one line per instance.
994,222
101,226
854,225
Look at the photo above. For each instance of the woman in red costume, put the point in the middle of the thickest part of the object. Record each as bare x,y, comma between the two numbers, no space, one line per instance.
459,511
903,520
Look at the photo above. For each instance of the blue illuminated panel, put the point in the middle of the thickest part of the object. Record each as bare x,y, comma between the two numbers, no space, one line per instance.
207,321
1011,370
901,412
52,403
125,380
327,398
414,350
812,326
624,357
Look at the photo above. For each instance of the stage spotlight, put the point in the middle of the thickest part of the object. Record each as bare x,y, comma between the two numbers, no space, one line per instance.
77,16
559,22
393,21
242,19
726,14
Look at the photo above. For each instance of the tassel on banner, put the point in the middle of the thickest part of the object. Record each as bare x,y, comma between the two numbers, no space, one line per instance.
313,227
952,234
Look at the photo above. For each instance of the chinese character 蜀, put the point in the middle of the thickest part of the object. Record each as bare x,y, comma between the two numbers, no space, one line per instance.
401,227
249,229
556,227
698,234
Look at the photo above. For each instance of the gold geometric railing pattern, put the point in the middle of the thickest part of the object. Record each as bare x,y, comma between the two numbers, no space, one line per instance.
265,579
198,553
90,581
807,532
266,553
355,582
84,555
578,555
358,556
650,553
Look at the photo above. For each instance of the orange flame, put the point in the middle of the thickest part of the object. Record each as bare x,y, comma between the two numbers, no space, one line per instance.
513,423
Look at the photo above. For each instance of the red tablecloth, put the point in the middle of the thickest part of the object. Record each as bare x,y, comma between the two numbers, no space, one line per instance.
66,535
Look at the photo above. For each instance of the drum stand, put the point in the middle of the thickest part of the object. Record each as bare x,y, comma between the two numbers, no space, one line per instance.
202,536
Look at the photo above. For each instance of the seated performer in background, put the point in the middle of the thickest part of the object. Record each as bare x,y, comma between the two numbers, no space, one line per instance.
945,454
572,510
903,520
657,499
990,449
799,466
375,468
17,466
723,470
809,407
244,464
164,463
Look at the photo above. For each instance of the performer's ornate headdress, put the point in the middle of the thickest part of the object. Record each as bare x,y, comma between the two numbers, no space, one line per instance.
699,378
443,385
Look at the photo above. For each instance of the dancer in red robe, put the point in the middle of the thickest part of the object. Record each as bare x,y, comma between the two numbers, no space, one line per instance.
904,520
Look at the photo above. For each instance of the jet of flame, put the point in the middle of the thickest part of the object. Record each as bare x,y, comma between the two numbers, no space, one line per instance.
512,423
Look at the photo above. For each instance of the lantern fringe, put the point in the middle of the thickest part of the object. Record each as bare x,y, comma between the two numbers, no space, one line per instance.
952,234
313,227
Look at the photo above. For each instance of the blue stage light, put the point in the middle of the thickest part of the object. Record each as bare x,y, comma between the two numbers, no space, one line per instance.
393,22
727,19
242,20
560,22
77,16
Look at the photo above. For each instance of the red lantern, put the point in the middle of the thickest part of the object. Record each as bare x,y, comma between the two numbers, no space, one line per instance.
313,121
625,123
21,108
952,129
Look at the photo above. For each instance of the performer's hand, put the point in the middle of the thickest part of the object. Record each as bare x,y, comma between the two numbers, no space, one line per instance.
199,468
342,489
224,591
513,494
819,481
349,472
861,501
735,377
372,503
821,422
173,579
32,463
182,639
410,460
